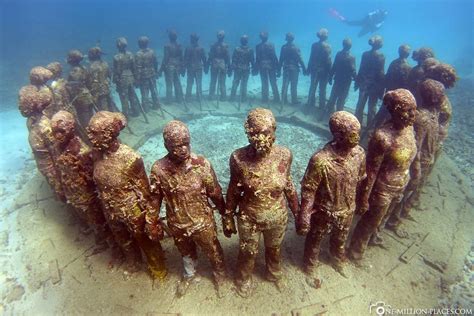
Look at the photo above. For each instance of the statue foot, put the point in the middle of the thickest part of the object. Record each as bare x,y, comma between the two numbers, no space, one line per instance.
184,285
246,289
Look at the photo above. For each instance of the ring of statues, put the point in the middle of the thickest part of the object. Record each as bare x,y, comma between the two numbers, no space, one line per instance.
74,127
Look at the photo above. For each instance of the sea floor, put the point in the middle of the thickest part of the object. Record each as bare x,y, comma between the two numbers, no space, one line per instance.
50,267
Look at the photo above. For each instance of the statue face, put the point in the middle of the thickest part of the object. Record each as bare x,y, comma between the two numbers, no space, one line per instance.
405,117
101,138
62,132
348,139
261,139
179,150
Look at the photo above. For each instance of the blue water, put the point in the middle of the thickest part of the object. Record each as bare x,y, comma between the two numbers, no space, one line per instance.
36,32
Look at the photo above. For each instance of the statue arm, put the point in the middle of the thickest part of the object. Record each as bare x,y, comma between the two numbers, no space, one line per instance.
290,191
309,186
234,191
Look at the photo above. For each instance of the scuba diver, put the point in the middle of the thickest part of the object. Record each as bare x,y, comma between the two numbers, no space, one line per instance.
370,23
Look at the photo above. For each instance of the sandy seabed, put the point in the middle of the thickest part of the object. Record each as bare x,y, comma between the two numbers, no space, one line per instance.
49,267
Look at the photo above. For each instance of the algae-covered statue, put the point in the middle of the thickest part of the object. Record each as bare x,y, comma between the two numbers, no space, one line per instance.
290,61
392,149
99,77
445,74
398,70
427,133
187,183
172,66
370,80
79,94
328,193
32,101
243,61
146,65
260,187
61,100
124,191
194,62
123,75
395,78
219,62
417,73
319,66
266,63
343,72
75,167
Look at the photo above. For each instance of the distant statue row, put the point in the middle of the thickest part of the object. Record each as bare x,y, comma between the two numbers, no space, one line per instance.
89,89
110,190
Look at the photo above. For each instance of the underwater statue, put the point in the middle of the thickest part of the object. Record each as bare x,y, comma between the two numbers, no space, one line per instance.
260,187
58,88
172,66
398,70
32,100
194,62
219,62
124,191
417,73
61,98
266,63
146,66
392,149
123,75
243,61
79,94
395,78
427,140
187,183
328,193
99,80
343,72
319,67
290,61
75,167
370,80
445,74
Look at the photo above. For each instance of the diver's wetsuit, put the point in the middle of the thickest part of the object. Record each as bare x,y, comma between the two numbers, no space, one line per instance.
370,23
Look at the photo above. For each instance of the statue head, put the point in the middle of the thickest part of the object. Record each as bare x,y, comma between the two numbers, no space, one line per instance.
104,128
177,140
244,40
121,43
432,93
347,44
404,51
260,128
33,100
63,125
323,34
143,42
376,41
402,107
74,57
289,37
56,69
40,75
345,128
94,53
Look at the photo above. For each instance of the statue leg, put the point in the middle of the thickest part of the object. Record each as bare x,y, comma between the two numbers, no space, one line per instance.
248,248
264,80
273,82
